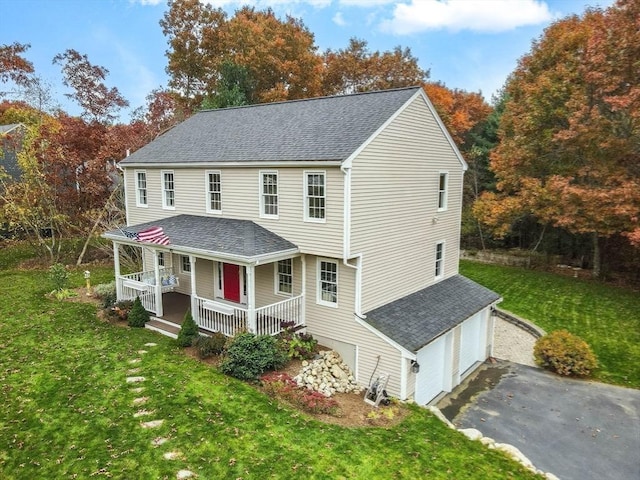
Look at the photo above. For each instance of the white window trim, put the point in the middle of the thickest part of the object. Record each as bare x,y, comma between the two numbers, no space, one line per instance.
319,299
164,196
305,194
182,270
161,259
146,189
439,277
261,174
277,279
443,208
208,192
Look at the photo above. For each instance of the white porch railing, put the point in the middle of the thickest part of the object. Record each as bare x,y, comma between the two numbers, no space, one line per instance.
143,285
229,319
269,318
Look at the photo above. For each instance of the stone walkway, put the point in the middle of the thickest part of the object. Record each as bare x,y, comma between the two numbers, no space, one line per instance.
137,389
513,343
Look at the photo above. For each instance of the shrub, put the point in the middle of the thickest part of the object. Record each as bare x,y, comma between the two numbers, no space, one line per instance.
188,331
138,316
250,355
296,345
564,354
107,293
59,276
282,386
210,346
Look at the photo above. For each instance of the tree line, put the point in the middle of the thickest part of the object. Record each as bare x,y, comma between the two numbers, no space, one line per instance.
553,160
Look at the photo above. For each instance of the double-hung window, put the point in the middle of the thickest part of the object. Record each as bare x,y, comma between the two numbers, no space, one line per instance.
439,260
161,259
214,192
314,196
141,188
168,190
442,191
327,283
185,264
269,194
284,277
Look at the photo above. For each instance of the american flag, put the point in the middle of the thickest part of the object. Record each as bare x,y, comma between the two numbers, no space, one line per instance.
150,235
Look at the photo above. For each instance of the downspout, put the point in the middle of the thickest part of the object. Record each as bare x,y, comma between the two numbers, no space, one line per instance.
346,241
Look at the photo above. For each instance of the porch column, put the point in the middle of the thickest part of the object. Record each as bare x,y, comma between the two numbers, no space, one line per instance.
251,299
194,306
116,266
158,285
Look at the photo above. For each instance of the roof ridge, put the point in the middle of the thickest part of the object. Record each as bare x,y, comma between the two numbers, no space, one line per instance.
309,99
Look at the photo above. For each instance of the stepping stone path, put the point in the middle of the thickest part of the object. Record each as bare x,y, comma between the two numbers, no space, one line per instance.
158,441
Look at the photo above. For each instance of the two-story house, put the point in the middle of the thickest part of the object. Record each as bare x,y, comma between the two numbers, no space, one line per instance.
341,214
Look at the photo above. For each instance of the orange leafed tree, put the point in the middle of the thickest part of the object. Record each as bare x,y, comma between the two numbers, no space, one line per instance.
570,134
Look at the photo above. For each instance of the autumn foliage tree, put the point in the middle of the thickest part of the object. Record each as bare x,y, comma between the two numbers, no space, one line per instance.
13,66
569,153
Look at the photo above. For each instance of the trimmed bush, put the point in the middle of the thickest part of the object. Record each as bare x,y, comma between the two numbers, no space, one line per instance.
107,293
296,344
188,331
249,355
138,316
565,354
210,346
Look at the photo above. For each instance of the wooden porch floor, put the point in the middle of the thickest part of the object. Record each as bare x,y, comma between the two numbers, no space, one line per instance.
174,306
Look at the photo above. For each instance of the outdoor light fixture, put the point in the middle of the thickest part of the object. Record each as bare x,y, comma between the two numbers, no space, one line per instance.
415,366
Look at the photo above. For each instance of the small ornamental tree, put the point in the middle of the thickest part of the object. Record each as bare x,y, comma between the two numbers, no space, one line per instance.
138,316
188,331
565,354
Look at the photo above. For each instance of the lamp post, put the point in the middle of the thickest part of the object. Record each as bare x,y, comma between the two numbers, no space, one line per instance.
87,277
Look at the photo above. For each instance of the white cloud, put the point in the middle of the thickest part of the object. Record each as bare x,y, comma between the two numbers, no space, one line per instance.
475,15
339,20
148,2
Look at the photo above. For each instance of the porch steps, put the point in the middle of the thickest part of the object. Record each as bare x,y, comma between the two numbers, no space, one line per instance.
164,327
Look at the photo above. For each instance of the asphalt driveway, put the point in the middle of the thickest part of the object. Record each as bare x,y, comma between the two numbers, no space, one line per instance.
575,429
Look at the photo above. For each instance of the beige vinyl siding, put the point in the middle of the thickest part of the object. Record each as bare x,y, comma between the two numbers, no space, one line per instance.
265,283
240,199
340,324
395,219
204,278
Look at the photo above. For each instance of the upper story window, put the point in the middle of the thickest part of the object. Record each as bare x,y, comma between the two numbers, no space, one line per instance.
439,259
284,277
185,264
328,283
269,194
168,190
314,196
141,188
214,192
442,191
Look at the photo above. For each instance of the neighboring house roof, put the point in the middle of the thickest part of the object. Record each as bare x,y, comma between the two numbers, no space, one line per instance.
417,319
225,237
8,149
315,129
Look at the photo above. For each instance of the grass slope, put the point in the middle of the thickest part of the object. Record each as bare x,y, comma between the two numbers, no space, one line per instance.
67,410
607,317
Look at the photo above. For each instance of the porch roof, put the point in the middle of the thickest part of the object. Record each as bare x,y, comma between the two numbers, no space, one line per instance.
417,319
221,237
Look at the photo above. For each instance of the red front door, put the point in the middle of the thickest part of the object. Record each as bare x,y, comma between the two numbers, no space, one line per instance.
231,284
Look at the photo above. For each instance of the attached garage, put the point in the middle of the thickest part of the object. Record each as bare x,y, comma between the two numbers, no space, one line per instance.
473,342
424,326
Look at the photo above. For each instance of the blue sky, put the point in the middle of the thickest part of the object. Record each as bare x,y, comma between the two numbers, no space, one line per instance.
467,44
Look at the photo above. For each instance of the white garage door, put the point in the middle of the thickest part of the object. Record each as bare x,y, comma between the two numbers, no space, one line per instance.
473,341
434,365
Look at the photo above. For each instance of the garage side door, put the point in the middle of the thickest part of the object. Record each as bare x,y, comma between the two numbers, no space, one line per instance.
430,380
473,340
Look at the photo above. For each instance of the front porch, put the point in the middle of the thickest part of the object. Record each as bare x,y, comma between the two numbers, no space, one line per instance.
209,314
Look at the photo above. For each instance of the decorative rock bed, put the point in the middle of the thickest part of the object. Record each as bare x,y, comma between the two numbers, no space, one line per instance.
327,374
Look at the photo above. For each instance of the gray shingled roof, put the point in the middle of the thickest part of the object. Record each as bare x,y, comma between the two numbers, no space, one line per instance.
7,128
316,129
221,236
417,319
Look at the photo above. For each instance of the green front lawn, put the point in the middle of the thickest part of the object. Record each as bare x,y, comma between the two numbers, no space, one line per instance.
607,317
67,411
